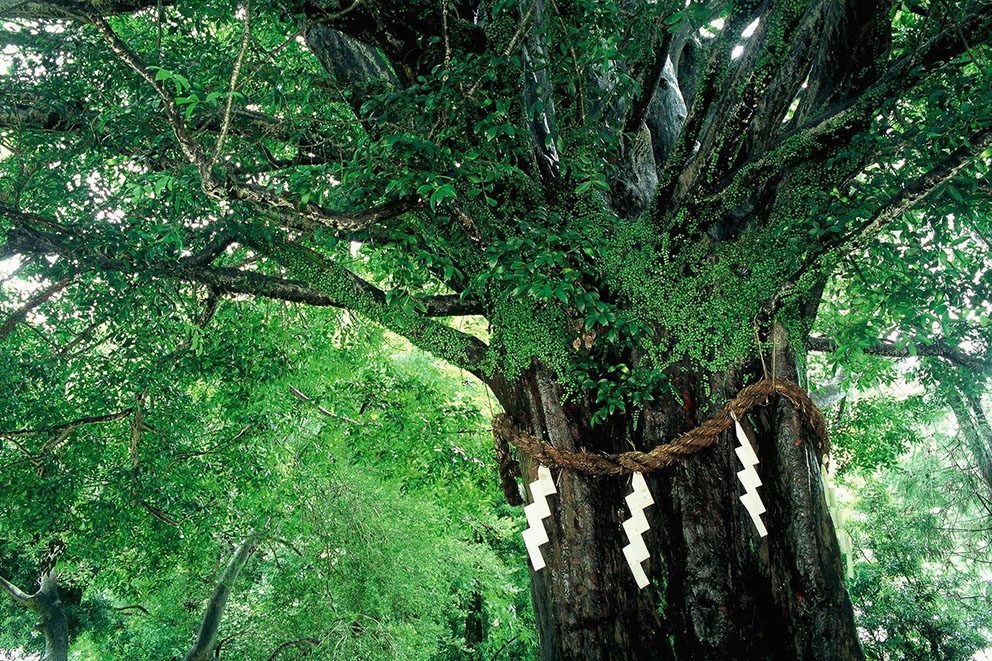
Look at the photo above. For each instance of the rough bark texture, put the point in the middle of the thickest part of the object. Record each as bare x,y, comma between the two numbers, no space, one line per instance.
718,591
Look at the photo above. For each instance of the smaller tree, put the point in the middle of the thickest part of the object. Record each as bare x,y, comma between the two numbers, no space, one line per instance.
51,616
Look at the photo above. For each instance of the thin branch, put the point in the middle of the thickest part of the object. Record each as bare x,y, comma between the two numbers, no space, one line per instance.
19,596
303,398
159,514
217,245
470,227
279,206
216,449
79,422
33,302
886,348
300,644
191,149
135,436
226,123
510,46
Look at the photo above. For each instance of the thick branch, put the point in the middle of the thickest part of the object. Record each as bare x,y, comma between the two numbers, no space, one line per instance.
196,268
649,85
65,426
20,115
836,120
908,196
349,291
19,596
900,202
39,9
918,189
938,349
834,126
236,281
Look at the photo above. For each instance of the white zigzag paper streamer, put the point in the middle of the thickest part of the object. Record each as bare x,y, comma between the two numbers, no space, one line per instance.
535,535
837,515
749,478
636,551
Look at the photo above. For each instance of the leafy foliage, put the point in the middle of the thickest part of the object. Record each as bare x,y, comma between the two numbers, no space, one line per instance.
919,587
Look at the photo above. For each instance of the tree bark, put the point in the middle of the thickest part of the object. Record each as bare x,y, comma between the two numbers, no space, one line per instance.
51,619
718,590
51,616
206,638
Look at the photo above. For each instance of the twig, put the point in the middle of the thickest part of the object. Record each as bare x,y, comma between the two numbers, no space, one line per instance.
226,123
31,304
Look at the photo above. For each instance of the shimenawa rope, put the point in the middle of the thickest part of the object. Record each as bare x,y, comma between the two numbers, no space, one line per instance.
705,435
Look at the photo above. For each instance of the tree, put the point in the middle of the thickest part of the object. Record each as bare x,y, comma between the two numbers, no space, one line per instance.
286,422
51,617
919,527
644,200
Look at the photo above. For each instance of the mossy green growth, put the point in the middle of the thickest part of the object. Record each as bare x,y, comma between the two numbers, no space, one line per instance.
340,286
527,330
612,306
703,296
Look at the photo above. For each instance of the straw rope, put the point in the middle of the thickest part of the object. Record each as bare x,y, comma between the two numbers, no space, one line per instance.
506,433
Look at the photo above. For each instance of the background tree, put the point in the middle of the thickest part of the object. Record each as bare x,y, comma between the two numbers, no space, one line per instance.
228,441
641,199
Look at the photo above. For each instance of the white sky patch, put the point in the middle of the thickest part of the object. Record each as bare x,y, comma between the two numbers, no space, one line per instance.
8,266
709,31
737,52
749,30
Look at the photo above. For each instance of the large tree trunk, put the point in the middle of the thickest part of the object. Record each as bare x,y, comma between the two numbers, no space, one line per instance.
718,590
